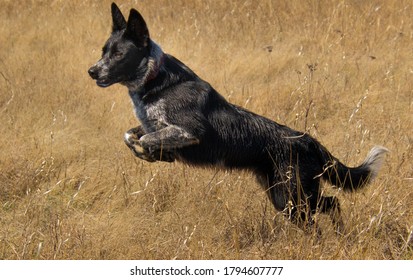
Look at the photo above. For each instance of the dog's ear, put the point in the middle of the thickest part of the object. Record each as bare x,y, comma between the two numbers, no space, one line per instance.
136,29
118,20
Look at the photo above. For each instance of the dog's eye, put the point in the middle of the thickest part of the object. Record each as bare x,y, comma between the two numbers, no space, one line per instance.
117,55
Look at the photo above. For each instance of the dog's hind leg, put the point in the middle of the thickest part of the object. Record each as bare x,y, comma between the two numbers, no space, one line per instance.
294,204
330,205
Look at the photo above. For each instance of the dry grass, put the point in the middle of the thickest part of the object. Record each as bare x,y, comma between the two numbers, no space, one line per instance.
70,189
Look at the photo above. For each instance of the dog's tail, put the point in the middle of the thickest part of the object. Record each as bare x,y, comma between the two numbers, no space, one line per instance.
353,178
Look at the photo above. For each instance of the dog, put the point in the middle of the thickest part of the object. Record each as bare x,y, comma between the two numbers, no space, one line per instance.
183,118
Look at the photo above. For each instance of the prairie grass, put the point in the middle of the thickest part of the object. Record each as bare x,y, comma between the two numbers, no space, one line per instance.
70,189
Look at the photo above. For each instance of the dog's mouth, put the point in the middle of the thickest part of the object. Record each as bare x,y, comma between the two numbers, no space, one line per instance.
103,83
101,80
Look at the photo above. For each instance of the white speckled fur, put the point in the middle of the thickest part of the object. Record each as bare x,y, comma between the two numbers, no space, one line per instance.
154,111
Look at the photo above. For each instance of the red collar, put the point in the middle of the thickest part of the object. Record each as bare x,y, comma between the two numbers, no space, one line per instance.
156,68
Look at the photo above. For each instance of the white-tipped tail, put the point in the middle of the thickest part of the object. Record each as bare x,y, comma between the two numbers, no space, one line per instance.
354,178
375,159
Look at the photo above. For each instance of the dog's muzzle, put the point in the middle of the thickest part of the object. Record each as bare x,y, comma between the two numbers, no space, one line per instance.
95,73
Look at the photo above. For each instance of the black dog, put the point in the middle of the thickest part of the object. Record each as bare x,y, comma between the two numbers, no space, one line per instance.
183,118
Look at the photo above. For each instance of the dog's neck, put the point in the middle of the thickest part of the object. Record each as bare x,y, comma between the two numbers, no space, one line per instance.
154,64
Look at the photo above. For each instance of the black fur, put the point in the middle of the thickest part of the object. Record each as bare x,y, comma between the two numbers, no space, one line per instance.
183,118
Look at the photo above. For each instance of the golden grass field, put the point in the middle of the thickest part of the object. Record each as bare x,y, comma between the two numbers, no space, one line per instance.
70,188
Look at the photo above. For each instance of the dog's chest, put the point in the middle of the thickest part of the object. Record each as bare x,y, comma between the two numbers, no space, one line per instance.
151,115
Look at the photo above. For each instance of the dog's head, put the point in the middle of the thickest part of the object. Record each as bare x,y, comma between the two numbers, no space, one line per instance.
126,55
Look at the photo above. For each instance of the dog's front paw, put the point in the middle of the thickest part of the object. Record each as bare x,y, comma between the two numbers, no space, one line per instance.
162,155
131,139
156,153
136,142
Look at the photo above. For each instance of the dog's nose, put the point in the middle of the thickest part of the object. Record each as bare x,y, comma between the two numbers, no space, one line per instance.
93,73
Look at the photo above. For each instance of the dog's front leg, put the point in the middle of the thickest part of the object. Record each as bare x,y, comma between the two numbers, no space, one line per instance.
133,141
167,140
